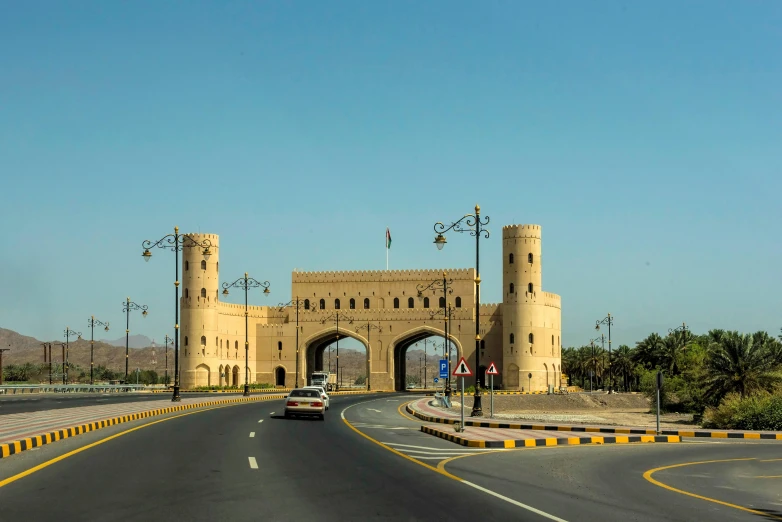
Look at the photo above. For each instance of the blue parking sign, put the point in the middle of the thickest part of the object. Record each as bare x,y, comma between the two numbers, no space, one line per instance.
443,368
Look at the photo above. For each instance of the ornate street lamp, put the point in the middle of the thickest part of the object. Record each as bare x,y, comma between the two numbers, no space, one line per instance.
335,317
442,285
127,306
473,224
298,303
176,242
91,322
609,320
447,313
246,283
369,327
68,333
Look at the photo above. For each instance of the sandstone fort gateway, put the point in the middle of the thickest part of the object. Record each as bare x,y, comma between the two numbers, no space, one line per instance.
522,335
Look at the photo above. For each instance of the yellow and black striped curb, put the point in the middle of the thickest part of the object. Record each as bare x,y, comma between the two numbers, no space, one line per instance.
552,441
596,429
262,391
17,446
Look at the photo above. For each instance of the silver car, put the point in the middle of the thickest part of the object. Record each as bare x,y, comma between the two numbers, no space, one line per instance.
323,394
304,402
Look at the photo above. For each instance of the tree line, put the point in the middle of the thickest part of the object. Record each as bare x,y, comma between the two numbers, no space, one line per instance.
32,373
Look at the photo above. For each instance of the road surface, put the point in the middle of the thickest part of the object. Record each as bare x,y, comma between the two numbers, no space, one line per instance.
368,461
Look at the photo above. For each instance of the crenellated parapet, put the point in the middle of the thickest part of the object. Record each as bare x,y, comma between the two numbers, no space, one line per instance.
552,300
521,232
379,276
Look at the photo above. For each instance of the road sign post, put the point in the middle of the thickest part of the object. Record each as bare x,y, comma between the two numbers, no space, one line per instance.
462,370
659,386
491,371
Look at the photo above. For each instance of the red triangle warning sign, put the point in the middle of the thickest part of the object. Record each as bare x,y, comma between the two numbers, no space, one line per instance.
492,370
461,369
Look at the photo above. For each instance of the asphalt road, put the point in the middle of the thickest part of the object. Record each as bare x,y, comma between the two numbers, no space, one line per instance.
245,462
56,401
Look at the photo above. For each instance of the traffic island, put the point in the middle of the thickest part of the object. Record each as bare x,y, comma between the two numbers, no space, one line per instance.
424,411
511,438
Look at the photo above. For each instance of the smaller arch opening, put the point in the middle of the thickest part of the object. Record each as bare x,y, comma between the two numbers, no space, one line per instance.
529,287
512,338
203,265
531,338
336,304
366,303
322,304
458,302
396,302
441,303
410,302
511,288
529,258
510,259
203,292
187,266
306,304
352,304
426,302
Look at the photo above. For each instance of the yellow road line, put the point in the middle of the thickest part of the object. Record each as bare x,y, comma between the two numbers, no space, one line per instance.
770,476
403,414
648,476
771,460
48,463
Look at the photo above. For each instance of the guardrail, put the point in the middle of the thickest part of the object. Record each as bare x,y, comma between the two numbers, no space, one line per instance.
16,389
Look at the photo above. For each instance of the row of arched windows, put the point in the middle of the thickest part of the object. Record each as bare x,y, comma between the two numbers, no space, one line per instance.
529,258
512,288
352,303
531,338
203,265
203,293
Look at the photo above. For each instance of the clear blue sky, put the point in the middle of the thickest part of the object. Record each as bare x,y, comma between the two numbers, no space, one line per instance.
644,137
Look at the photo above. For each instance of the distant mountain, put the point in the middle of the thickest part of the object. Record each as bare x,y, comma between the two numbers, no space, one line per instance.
134,341
24,349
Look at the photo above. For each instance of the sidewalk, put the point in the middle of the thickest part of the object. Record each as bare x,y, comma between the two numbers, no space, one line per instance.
424,411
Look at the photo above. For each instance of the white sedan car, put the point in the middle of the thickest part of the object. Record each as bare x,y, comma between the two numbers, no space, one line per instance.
304,402
323,394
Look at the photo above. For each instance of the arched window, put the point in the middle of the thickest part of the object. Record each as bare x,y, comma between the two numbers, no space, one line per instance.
322,304
511,288
483,344
512,338
396,302
216,340
426,302
306,304
352,304
529,287
442,302
279,345
203,265
458,302
203,292
529,258
552,340
366,303
203,340
336,304
187,266
236,345
531,338
187,293
410,302
510,259
185,340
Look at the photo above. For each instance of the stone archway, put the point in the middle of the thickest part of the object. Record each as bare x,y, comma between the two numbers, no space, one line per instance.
235,376
397,348
203,375
279,376
220,375
316,345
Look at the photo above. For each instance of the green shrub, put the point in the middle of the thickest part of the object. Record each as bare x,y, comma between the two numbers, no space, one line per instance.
756,412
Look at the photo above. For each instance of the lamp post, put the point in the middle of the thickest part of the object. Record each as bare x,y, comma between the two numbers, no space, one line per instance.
246,283
91,322
609,320
602,340
68,332
683,329
176,242
127,306
298,304
1,363
473,224
434,286
49,358
335,317
168,340
369,327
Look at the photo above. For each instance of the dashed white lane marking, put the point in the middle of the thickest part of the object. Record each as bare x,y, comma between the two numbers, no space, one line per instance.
252,434
260,421
272,413
253,463
439,449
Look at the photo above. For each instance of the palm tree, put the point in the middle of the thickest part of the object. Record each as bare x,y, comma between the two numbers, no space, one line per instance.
738,364
649,352
623,363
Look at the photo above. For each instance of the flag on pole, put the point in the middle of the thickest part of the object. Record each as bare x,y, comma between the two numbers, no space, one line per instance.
388,238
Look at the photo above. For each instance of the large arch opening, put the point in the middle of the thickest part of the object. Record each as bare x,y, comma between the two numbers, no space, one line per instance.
417,356
279,376
235,372
343,355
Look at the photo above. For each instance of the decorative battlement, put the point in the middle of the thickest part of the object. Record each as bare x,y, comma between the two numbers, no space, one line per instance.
552,300
238,309
214,238
521,231
372,276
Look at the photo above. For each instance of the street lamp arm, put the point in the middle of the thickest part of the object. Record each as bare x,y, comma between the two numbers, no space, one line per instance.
175,242
92,322
246,283
435,285
130,305
333,317
68,332
469,223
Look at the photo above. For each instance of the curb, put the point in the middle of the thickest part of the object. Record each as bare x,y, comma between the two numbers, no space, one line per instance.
12,448
552,441
593,429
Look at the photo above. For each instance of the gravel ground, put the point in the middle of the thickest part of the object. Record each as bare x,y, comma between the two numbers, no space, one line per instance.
621,409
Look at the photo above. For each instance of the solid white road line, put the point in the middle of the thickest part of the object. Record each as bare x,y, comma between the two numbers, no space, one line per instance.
402,446
253,463
260,421
252,434
272,413
514,502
